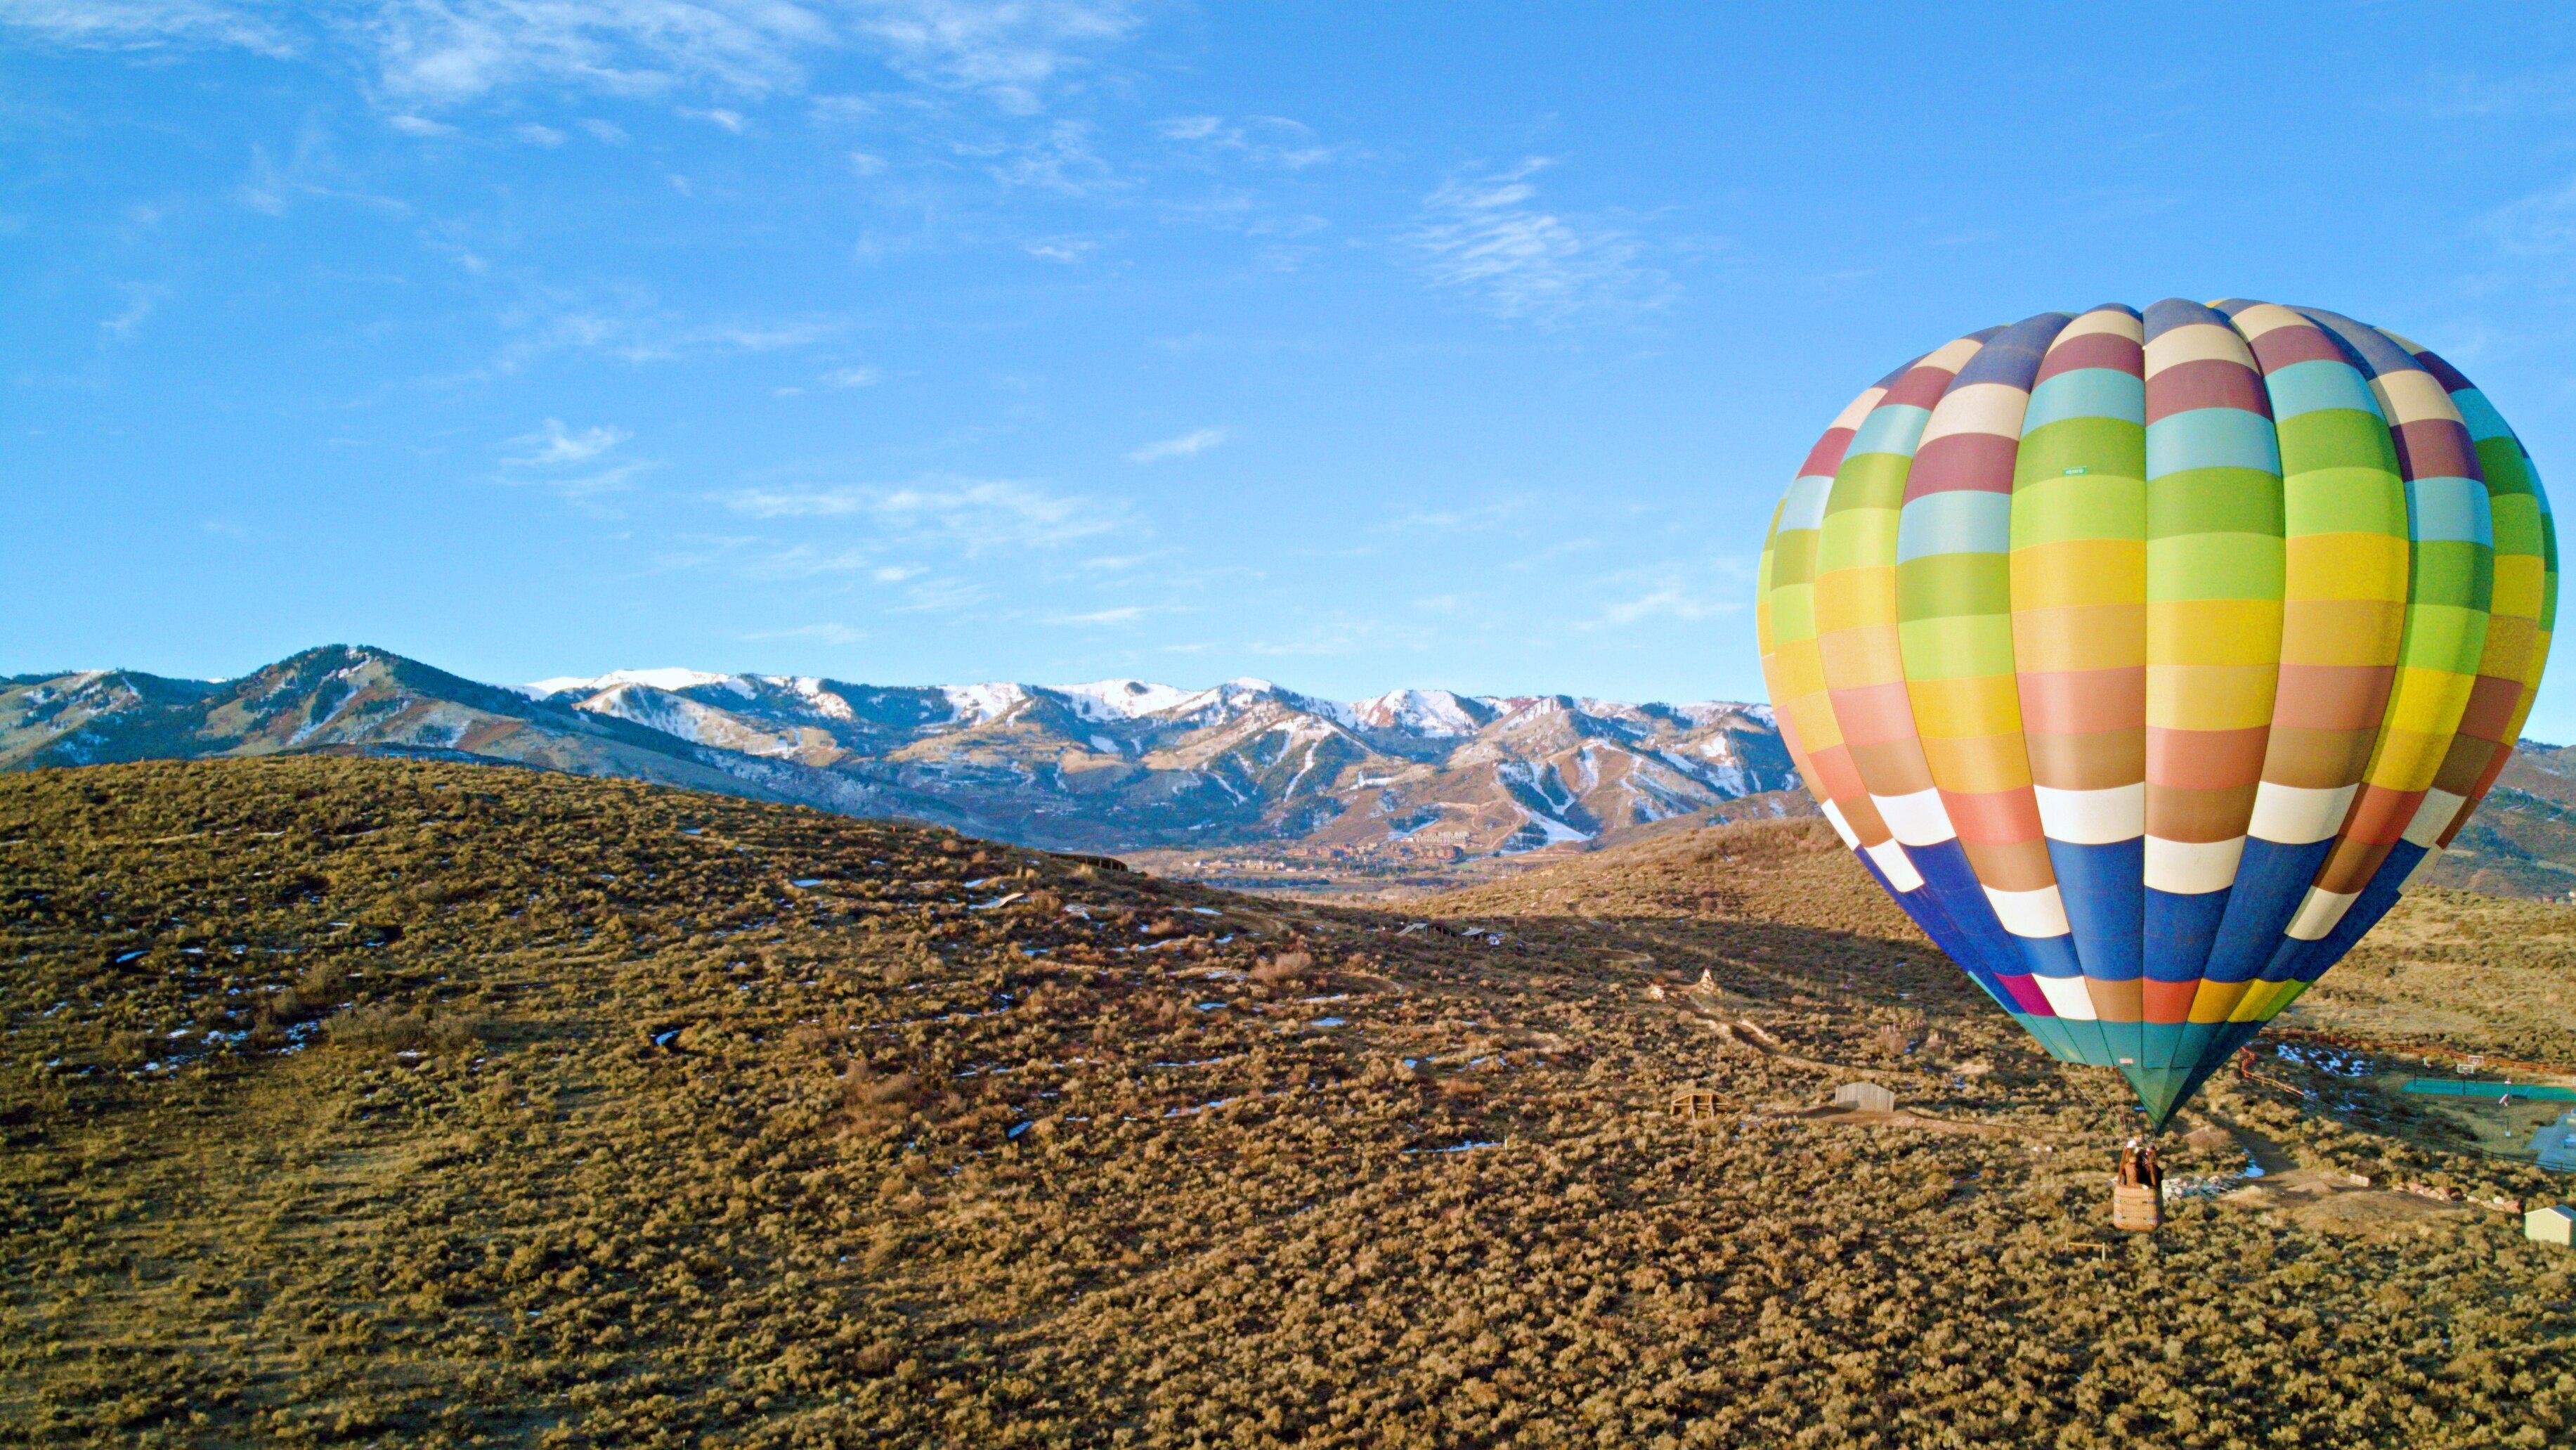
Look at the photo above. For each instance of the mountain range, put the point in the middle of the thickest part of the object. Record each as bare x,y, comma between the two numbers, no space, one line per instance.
1113,765
1409,781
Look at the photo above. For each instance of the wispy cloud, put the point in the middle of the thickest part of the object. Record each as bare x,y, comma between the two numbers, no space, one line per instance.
2460,96
582,487
828,633
974,516
1465,519
1669,602
1187,445
145,25
1343,635
1485,235
1269,140
1124,614
445,52
554,445
851,377
1060,158
560,460
1008,51
142,299
2541,225
310,171
634,327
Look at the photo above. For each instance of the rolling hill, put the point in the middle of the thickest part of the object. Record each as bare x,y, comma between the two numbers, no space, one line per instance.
402,1103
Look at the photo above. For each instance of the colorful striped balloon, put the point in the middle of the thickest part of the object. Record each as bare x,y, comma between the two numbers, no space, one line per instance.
2143,657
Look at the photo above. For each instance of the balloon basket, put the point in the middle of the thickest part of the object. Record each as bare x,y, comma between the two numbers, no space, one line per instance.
2137,1208
2138,1190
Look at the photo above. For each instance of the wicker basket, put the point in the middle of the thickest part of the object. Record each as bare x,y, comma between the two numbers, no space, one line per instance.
2137,1207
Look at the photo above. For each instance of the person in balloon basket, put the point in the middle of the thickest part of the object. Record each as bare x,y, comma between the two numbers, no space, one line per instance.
2138,1168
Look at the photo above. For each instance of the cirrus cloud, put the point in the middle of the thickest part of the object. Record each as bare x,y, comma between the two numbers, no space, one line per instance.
974,516
1185,446
445,52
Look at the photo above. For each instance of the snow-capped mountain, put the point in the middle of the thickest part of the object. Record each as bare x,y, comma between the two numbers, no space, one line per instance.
1110,764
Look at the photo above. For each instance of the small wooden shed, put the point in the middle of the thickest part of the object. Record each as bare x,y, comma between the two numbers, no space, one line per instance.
1866,1097
1696,1106
2555,1224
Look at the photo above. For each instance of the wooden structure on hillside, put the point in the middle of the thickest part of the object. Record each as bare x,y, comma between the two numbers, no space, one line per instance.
1865,1097
1695,1106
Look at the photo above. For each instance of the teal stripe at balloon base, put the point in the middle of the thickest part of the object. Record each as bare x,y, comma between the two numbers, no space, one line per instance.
2163,1075
2064,1042
2162,1088
2049,1033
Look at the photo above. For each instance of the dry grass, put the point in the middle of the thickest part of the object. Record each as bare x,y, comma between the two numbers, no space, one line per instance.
549,1111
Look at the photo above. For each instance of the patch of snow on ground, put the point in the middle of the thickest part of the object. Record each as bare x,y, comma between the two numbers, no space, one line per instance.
1119,699
811,689
975,704
1556,831
673,679
659,709
1301,772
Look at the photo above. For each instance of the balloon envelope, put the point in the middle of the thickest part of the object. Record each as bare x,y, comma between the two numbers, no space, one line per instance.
2142,656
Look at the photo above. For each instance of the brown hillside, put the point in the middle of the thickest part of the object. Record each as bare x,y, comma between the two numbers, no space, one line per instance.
2448,969
405,1104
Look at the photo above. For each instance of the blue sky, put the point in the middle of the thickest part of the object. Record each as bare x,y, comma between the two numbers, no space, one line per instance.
1353,346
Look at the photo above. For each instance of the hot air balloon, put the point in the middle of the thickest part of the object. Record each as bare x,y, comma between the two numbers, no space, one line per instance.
2142,657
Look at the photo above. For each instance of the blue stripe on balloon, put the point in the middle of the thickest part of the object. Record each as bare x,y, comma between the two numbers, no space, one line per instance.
1953,882
2086,393
2181,929
2316,387
1990,950
2480,415
2373,903
1804,508
2013,355
2105,903
2163,317
1956,521
2377,355
1927,914
2271,879
1890,428
2304,961
2050,956
2212,438
2450,508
